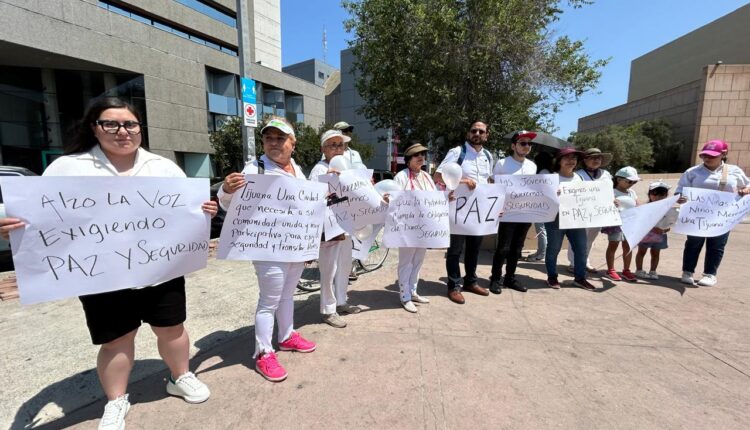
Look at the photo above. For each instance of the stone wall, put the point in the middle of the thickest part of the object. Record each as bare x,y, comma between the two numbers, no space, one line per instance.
724,111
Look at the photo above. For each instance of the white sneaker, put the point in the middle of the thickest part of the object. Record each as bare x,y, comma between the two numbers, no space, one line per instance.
653,275
707,280
114,414
409,306
419,299
687,278
189,388
642,274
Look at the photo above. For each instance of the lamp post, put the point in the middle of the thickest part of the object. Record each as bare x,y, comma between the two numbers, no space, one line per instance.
246,45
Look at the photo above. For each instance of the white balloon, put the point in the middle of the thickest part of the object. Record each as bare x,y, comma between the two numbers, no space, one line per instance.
386,186
452,174
339,164
359,166
363,233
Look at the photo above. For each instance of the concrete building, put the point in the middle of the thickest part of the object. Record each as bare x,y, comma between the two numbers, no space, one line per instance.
177,60
312,70
699,82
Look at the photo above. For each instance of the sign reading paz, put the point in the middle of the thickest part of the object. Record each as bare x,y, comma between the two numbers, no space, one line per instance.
85,236
587,204
710,213
417,219
363,205
476,212
274,218
529,198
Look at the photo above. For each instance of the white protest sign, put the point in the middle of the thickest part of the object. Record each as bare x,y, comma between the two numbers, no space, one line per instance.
274,218
361,248
529,198
87,236
587,204
710,213
639,220
417,219
476,212
363,204
331,227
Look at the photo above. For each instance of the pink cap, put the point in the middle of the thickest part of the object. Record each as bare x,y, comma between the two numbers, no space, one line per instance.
714,148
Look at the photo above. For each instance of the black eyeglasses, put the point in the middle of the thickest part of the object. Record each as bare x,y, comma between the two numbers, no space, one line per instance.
477,131
335,145
525,143
113,127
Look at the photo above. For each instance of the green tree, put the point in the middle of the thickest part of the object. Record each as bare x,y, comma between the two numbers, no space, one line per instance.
430,67
666,149
226,142
628,145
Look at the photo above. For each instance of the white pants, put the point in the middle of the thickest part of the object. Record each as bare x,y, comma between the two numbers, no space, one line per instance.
335,262
409,262
591,234
277,282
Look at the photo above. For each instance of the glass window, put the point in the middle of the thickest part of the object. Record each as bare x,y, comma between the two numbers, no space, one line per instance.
210,11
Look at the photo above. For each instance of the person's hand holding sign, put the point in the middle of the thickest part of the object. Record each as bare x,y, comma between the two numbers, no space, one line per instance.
233,182
8,224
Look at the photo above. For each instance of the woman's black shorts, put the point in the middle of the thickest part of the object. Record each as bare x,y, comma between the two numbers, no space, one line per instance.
117,313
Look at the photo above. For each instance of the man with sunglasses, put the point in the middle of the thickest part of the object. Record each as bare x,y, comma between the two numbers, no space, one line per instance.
512,235
476,163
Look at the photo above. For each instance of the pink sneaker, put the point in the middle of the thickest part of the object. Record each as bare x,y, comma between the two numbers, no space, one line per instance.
297,343
629,276
612,275
268,367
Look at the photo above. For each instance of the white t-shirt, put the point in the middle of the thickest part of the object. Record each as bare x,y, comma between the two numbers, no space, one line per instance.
407,181
320,168
628,199
602,175
575,178
511,166
700,177
476,165
95,163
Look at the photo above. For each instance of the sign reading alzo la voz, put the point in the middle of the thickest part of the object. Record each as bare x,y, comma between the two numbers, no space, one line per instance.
87,235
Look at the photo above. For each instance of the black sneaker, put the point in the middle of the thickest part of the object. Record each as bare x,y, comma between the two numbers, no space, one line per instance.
514,285
496,287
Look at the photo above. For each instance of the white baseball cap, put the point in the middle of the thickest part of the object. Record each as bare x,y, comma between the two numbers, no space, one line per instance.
333,133
628,173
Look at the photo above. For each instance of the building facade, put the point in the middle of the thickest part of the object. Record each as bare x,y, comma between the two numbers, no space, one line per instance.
177,60
699,82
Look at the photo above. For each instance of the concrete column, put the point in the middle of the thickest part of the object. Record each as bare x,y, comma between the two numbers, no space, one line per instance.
51,109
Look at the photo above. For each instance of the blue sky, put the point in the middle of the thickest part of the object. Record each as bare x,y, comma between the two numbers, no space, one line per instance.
618,29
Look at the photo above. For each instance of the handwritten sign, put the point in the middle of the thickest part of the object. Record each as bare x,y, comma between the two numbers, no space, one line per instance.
417,219
638,221
587,204
274,218
363,204
85,236
710,213
476,212
529,198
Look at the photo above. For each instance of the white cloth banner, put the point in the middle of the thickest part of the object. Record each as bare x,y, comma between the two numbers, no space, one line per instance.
638,221
88,235
529,198
274,218
363,204
587,204
361,248
710,213
417,219
476,212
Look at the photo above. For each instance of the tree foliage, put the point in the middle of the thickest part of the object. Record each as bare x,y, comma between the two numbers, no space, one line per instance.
227,144
646,145
430,67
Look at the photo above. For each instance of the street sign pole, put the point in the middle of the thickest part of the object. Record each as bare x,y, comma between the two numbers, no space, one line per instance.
246,45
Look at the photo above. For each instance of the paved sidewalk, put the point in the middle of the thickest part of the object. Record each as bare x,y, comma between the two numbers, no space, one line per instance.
631,356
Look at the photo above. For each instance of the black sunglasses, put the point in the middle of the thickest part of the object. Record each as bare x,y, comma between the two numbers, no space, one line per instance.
477,131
